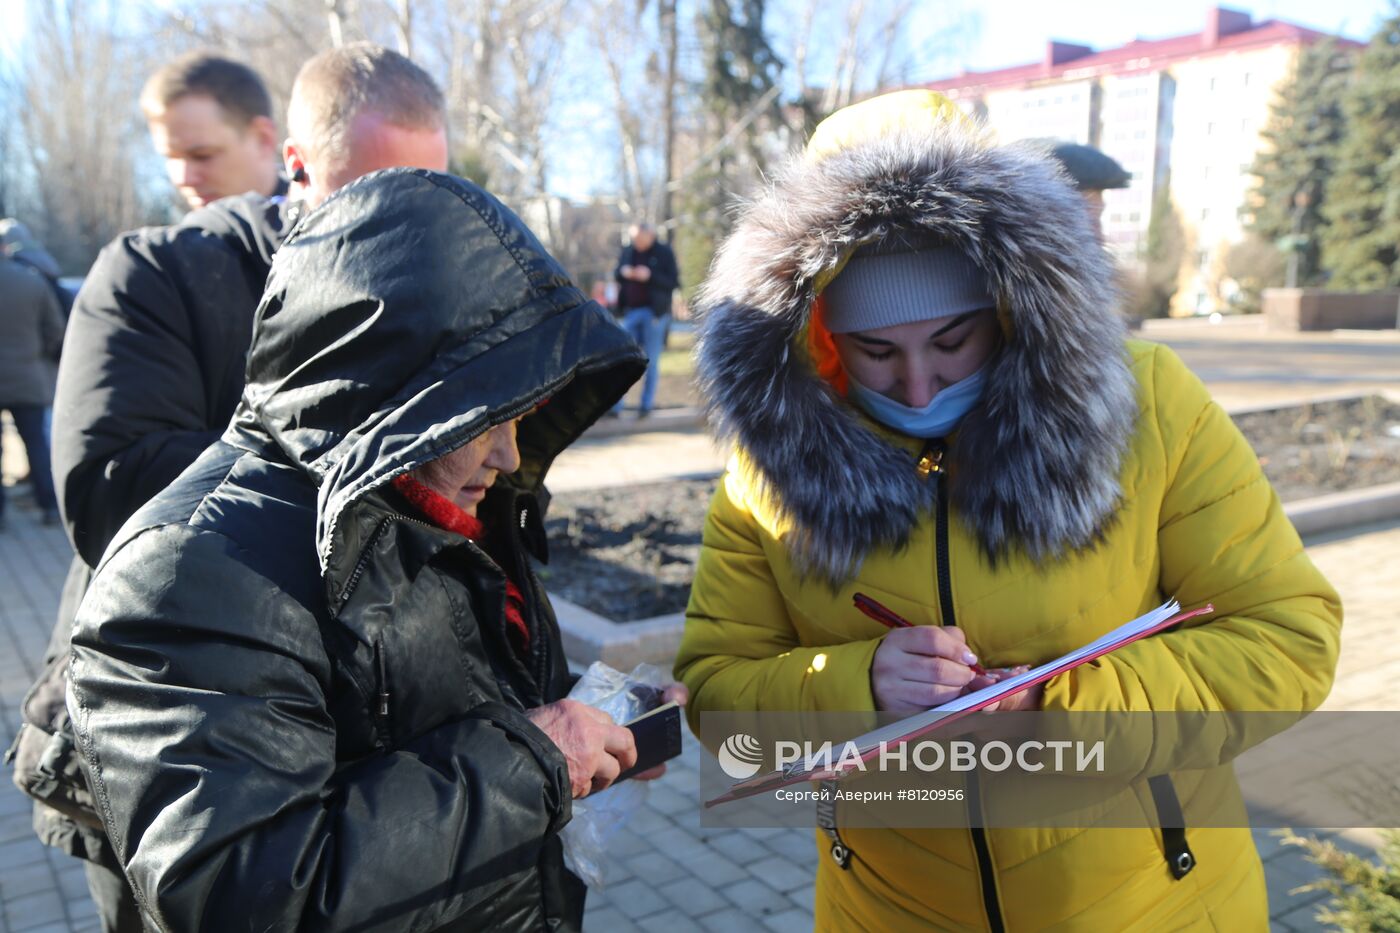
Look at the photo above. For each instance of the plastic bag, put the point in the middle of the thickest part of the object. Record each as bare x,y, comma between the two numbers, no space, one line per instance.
598,816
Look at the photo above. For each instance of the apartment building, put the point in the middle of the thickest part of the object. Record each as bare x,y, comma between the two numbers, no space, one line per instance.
1182,113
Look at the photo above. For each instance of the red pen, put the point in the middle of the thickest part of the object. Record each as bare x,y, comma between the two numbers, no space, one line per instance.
891,619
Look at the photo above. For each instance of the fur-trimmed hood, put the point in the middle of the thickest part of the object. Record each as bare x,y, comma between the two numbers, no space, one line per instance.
1036,463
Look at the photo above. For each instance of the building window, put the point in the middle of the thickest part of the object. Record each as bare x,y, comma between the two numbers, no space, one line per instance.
1205,213
1205,173
1210,129
1134,217
1246,79
1212,84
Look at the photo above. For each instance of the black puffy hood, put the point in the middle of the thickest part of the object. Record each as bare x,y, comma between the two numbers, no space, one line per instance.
406,315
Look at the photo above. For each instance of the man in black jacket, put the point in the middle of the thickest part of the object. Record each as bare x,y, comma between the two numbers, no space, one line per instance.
315,681
646,276
153,367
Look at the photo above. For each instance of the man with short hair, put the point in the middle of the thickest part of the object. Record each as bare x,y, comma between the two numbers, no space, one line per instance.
1093,172
646,276
356,109
153,368
210,119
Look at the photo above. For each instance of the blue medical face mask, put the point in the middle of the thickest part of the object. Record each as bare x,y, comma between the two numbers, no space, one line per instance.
936,419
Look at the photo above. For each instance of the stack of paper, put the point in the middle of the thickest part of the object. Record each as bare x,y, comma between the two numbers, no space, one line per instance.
920,724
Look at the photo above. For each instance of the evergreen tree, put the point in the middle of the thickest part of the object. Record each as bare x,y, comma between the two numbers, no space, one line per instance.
1162,257
1304,130
741,71
705,222
1361,242
740,65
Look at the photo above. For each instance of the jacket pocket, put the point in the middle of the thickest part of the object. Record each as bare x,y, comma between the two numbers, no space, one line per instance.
47,768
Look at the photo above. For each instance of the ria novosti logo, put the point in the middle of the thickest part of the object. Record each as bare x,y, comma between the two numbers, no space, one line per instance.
740,756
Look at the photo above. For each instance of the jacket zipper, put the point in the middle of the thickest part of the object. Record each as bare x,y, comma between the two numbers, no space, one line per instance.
540,657
381,698
931,465
363,561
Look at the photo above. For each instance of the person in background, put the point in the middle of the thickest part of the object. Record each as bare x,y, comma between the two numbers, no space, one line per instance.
154,367
911,337
31,334
23,247
210,119
646,276
1093,172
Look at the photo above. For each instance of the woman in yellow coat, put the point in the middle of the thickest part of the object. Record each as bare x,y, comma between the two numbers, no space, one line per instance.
911,337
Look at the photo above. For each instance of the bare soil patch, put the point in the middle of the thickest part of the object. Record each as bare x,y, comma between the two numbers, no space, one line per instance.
629,552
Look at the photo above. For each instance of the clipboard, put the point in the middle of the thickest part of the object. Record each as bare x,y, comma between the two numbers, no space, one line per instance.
920,724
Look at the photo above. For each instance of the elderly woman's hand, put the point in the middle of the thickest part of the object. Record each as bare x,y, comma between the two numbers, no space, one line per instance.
596,749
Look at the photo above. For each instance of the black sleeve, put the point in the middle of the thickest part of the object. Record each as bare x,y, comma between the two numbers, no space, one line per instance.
665,275
200,701
130,411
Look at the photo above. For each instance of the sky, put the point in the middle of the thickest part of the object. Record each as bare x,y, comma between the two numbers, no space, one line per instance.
1002,33
998,34
11,26
1014,32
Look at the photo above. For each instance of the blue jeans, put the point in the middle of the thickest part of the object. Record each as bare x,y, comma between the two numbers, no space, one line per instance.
648,330
29,422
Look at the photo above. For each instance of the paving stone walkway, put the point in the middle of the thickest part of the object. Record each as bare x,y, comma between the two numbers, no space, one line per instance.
666,873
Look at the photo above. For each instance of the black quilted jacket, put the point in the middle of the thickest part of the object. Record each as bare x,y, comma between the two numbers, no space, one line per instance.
297,702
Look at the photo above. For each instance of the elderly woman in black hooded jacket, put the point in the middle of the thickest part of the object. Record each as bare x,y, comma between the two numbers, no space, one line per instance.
315,681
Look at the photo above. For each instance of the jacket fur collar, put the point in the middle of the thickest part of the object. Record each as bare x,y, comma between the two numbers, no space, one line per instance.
1035,466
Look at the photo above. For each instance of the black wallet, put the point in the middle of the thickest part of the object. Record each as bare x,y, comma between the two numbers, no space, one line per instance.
657,733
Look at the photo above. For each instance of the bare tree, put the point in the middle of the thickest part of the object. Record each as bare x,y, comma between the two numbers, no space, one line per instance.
77,84
336,13
640,60
878,49
13,200
273,37
403,26
670,39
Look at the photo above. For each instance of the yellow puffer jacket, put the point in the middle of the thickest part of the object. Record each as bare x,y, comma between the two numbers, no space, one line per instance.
1199,520
1093,481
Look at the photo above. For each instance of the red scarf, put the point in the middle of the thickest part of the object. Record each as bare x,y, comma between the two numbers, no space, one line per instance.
445,514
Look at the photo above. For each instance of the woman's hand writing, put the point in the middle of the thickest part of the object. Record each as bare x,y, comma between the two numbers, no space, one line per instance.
920,667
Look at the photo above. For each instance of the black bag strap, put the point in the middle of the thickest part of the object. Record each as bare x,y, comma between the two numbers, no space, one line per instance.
1180,858
826,819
